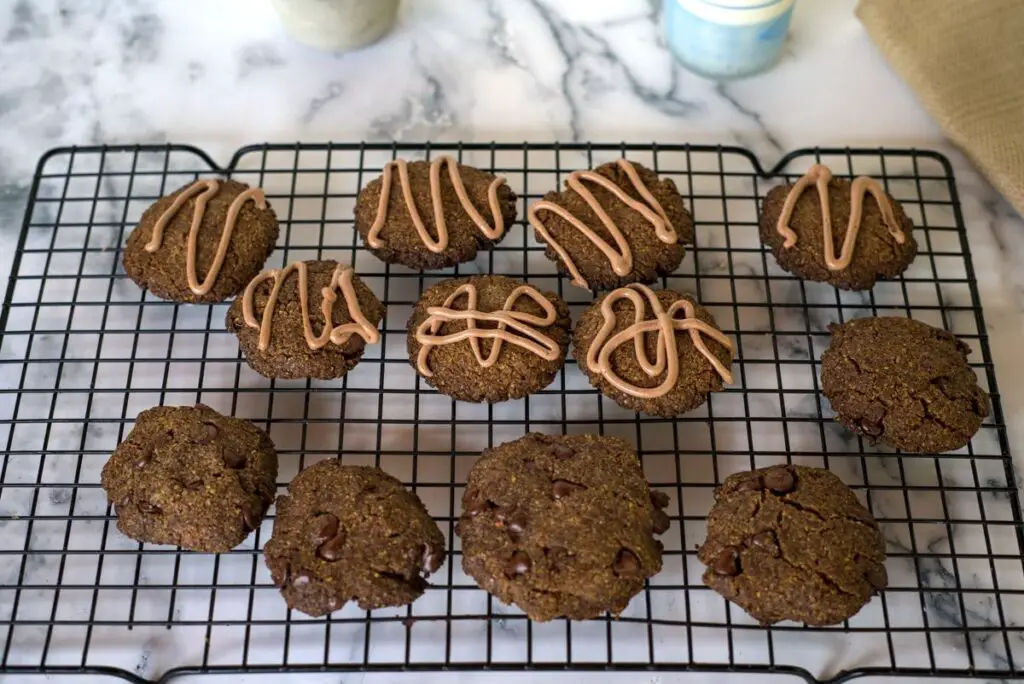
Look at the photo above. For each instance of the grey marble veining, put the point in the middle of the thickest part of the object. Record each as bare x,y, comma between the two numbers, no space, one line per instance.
223,75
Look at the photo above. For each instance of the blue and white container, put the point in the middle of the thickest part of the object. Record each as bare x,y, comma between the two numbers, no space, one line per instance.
727,38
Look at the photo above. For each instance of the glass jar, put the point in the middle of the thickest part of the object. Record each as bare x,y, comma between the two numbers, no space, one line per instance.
727,38
337,24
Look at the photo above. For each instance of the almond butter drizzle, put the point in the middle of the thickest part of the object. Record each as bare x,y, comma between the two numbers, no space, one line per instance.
441,243
665,324
209,188
621,260
820,175
336,334
523,323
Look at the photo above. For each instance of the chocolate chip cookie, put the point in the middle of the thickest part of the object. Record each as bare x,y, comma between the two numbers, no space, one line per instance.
281,320
848,234
658,352
792,543
561,526
351,533
203,242
903,383
488,338
613,225
429,215
189,476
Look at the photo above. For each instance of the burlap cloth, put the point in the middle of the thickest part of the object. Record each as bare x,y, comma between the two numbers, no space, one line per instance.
965,61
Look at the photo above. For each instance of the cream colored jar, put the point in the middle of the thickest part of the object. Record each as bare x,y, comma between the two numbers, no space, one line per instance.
337,25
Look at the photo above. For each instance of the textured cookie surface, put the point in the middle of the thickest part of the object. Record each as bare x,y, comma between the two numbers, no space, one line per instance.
532,317
561,526
288,353
351,533
903,383
877,255
192,477
697,377
400,243
792,543
164,270
651,256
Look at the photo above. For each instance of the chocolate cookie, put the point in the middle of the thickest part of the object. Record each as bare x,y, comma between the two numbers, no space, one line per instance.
561,526
614,225
636,348
792,543
186,475
903,383
351,533
203,242
281,320
488,338
434,214
805,223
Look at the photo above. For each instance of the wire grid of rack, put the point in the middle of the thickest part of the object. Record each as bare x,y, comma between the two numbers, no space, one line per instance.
84,350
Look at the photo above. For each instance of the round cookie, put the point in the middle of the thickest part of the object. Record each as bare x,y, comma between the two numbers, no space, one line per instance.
351,533
561,526
792,226
792,543
235,232
189,476
280,321
903,383
613,225
533,325
431,215
697,355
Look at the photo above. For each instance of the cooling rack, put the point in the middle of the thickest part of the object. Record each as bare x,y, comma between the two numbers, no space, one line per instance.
83,350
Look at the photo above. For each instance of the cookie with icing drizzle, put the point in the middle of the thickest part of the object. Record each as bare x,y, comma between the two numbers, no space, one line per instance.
311,319
488,338
657,352
436,214
613,225
849,234
202,243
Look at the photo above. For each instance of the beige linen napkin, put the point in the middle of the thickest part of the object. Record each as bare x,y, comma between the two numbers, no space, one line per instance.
965,61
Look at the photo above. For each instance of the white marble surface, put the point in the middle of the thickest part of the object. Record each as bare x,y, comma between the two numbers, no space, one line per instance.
221,74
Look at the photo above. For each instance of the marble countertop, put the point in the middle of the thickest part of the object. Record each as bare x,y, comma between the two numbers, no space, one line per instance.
221,75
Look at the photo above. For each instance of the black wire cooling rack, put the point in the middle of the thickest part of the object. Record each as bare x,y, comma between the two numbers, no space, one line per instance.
83,350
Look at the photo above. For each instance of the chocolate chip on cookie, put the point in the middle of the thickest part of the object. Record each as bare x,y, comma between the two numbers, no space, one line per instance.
834,231
202,243
430,215
658,352
351,533
614,225
792,543
281,327
561,526
192,477
903,383
488,338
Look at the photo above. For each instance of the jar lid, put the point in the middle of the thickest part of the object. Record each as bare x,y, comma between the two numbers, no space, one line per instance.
736,11
746,4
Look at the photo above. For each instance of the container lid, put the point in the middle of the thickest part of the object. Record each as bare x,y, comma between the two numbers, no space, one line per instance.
746,4
736,12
